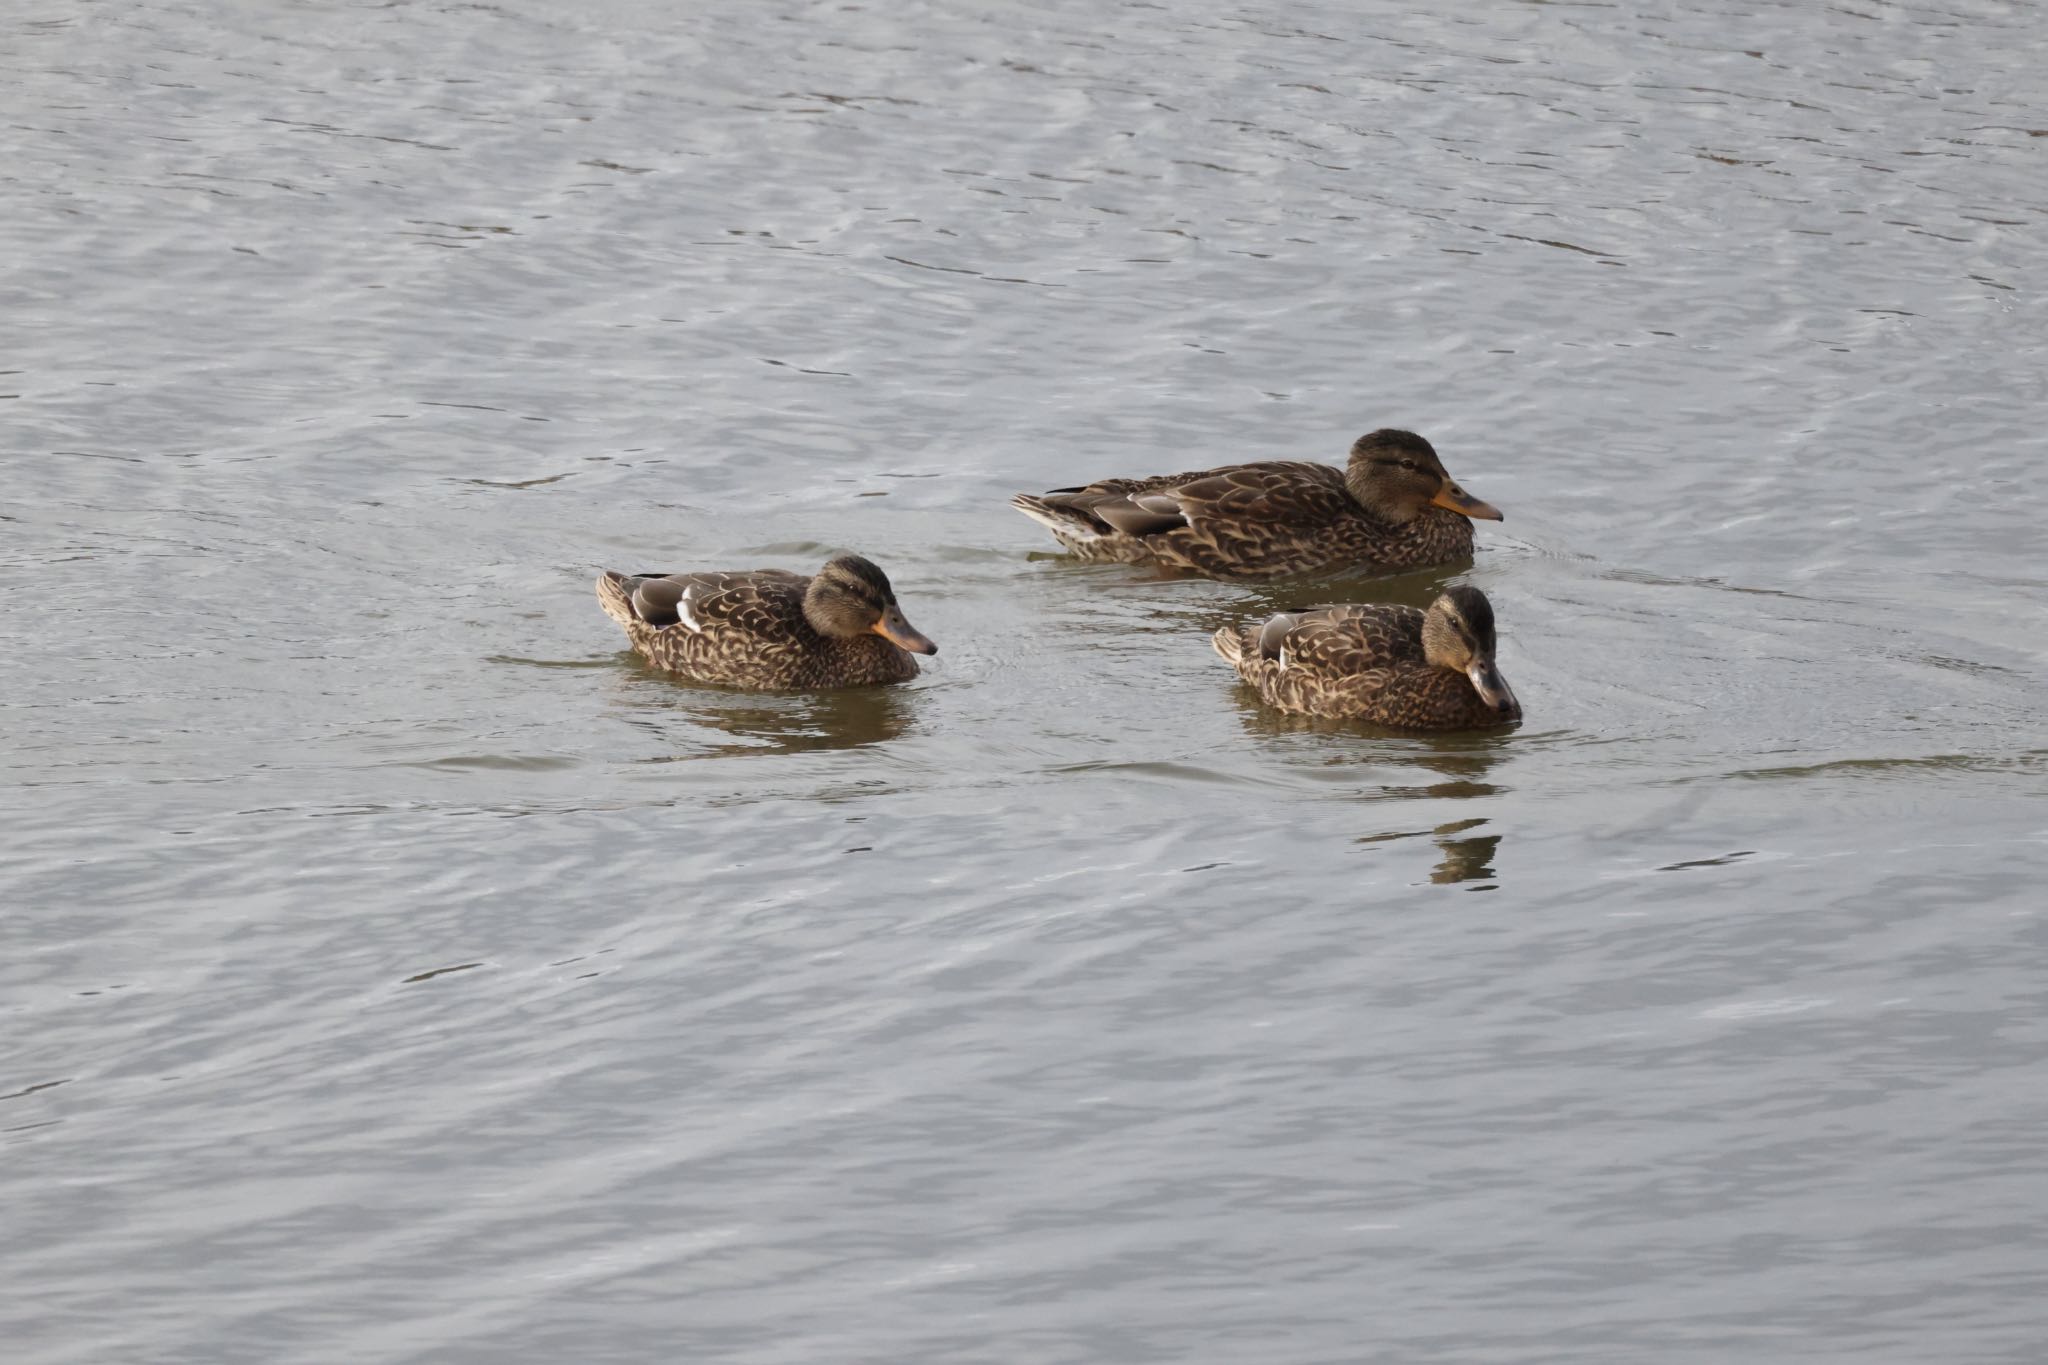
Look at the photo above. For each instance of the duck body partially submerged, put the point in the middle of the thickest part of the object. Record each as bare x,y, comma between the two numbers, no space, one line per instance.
1391,665
1392,507
769,629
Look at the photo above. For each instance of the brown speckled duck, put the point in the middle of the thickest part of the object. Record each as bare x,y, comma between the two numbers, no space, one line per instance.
768,628
1393,507
1391,665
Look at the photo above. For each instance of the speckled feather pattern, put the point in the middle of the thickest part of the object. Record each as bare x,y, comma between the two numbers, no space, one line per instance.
1251,521
1357,662
752,633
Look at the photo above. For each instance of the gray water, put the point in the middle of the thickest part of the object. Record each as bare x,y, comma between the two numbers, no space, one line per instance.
397,971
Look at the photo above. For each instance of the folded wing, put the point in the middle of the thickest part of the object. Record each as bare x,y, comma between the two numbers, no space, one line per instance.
1293,493
1343,641
760,601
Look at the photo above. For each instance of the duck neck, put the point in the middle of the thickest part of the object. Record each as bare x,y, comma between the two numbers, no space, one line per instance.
1359,483
833,613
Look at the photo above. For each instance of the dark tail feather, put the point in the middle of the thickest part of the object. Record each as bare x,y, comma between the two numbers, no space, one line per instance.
1055,517
615,597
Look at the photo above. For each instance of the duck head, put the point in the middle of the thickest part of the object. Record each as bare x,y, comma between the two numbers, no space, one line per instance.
1395,474
850,597
1457,633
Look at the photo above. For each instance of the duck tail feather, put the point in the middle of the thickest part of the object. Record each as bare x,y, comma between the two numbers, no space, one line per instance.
1054,517
615,596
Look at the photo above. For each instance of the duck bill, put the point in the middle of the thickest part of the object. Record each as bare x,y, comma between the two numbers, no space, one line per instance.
1456,499
1493,689
899,632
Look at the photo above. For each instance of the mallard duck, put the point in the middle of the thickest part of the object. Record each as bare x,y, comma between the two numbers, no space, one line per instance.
769,628
1395,666
1393,507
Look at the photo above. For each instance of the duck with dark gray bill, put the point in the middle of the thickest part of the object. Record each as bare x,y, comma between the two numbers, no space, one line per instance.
1392,665
769,629
1393,506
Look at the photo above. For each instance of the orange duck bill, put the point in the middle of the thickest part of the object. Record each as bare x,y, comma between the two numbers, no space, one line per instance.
1458,500
900,633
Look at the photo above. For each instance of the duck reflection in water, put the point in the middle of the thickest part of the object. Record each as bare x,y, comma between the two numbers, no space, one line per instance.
691,719
1463,859
1407,768
1460,765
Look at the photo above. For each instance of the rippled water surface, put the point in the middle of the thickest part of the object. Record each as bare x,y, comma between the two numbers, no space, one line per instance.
397,971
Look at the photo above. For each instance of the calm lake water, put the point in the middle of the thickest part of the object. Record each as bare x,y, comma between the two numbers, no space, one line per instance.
397,971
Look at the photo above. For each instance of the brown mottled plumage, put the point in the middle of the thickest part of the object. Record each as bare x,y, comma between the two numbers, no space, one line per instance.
768,628
1391,665
1392,507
